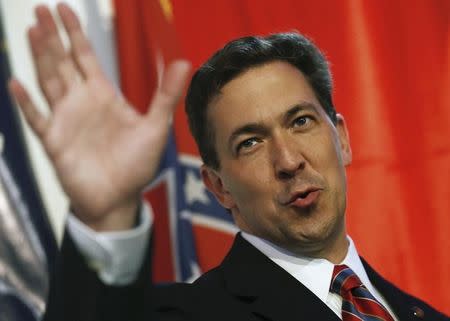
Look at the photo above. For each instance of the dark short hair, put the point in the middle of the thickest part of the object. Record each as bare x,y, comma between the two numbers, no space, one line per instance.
240,55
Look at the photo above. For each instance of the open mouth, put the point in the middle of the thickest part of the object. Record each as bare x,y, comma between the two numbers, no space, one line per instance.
303,195
304,199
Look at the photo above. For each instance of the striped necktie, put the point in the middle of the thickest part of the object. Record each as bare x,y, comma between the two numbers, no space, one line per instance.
357,302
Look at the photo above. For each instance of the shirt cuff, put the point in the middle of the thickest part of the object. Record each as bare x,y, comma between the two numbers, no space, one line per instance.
116,256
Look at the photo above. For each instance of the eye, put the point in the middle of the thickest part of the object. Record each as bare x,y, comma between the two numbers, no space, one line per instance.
302,121
247,144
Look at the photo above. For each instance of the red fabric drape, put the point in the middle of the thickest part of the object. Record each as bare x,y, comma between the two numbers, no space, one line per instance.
391,65
146,37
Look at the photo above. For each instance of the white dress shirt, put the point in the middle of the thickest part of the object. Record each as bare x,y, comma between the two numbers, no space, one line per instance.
117,257
315,274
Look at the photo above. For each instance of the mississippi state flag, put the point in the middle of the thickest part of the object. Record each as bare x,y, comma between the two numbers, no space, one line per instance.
192,232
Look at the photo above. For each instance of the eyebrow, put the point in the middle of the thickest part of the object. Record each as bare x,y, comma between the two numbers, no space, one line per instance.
250,128
297,108
258,128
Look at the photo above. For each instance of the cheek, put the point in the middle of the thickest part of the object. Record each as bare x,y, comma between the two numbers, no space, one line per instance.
327,150
333,166
248,182
326,159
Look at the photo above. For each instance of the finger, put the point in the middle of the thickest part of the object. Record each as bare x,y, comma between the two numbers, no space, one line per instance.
169,93
65,65
48,78
54,67
82,51
33,117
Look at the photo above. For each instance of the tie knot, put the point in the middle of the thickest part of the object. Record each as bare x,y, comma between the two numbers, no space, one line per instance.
344,280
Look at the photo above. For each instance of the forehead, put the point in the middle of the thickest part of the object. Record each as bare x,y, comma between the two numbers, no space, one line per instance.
261,94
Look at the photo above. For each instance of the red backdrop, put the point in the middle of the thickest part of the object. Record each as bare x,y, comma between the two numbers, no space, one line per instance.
391,66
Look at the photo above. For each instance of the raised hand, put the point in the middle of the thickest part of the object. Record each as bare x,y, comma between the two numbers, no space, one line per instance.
104,152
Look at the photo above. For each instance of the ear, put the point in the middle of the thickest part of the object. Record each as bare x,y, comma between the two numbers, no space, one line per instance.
213,182
344,140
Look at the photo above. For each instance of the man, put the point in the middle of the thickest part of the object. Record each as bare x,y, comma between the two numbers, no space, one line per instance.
274,153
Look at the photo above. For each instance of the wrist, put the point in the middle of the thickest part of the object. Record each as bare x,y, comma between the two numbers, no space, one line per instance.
115,256
119,218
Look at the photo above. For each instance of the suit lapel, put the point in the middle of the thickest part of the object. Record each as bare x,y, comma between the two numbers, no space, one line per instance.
404,306
270,292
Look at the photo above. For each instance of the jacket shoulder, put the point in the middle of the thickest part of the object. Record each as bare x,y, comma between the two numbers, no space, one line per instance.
405,305
207,296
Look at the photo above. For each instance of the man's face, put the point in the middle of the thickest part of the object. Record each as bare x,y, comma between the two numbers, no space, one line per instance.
281,158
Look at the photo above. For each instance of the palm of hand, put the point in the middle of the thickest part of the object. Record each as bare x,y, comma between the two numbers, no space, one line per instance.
103,151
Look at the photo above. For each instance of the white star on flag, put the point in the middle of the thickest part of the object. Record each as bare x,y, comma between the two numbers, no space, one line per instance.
194,190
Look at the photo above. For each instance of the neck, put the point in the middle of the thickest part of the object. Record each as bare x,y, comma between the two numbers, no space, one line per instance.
335,256
336,251
333,248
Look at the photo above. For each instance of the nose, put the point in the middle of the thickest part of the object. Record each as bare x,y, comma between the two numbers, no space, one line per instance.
287,157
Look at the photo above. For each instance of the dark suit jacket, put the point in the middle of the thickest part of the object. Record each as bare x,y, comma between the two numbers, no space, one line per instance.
246,286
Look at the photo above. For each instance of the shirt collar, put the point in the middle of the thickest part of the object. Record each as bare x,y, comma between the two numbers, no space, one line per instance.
314,273
353,261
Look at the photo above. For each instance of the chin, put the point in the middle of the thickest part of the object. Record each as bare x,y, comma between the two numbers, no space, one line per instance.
314,237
